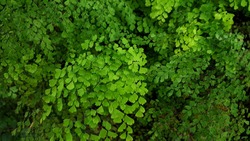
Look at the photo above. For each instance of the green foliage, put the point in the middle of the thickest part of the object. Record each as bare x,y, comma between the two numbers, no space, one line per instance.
124,70
73,70
201,88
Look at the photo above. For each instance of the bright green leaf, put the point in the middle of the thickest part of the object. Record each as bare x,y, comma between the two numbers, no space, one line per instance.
72,109
59,104
71,86
100,110
129,138
112,134
128,120
117,114
78,124
94,38
243,3
52,82
69,137
106,124
133,98
31,68
142,100
47,99
81,92
103,133
47,91
111,109
57,73
123,135
124,41
61,85
53,92
94,137
130,130
63,72
66,122
96,119
122,127
139,114
143,70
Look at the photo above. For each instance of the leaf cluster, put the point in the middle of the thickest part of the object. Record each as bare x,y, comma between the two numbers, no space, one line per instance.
124,70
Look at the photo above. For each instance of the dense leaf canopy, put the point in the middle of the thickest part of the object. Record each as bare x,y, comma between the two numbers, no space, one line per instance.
124,70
